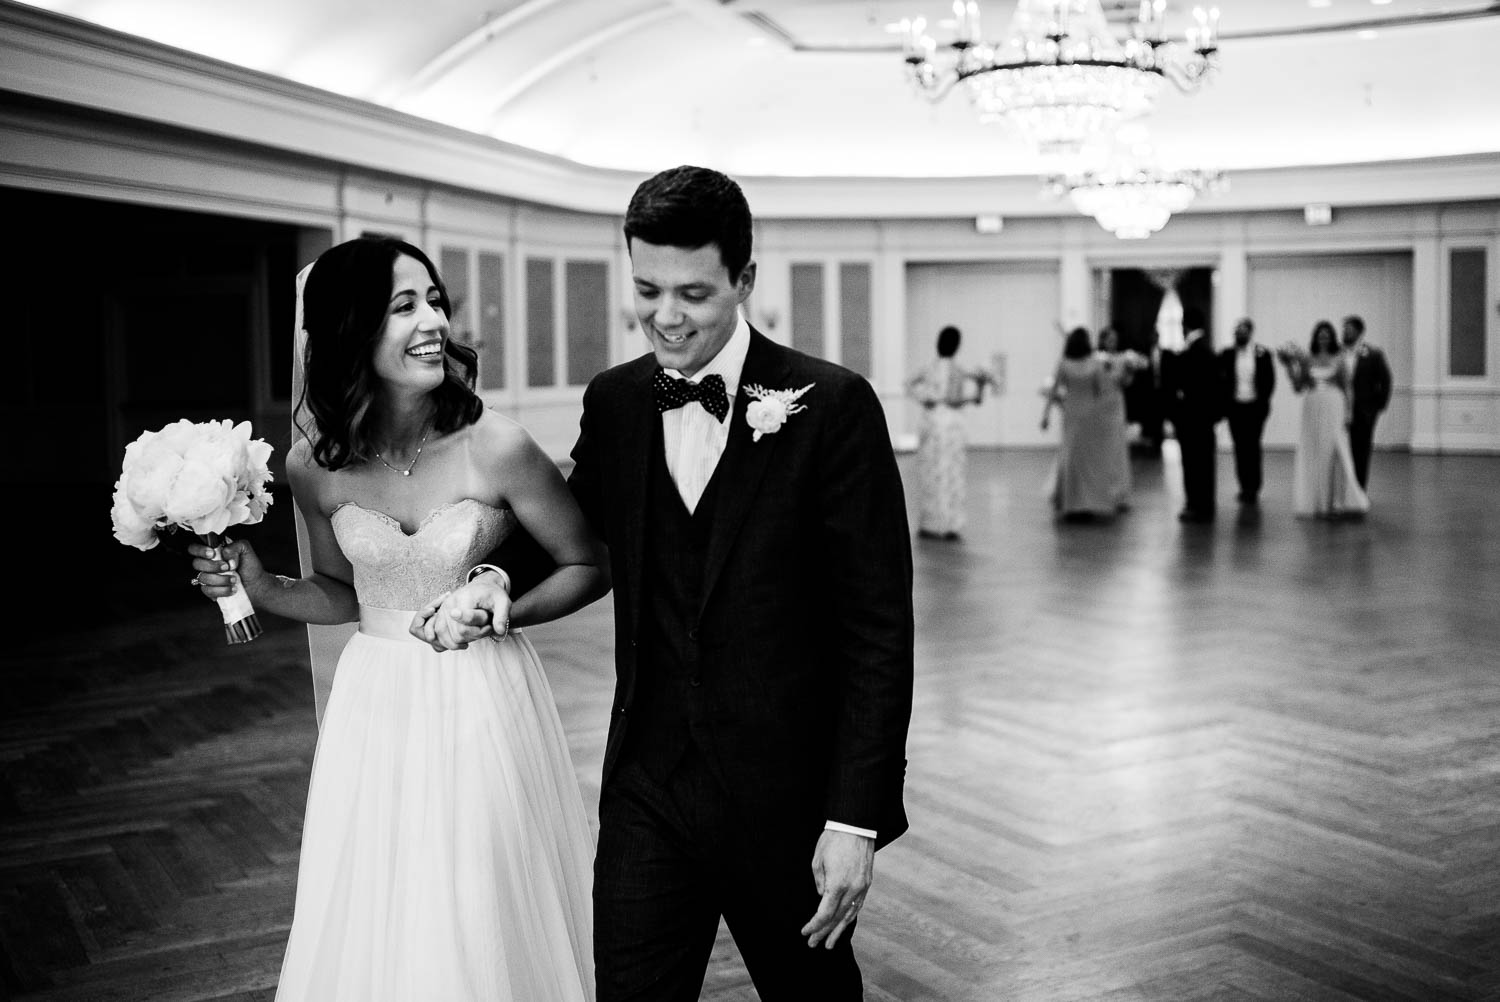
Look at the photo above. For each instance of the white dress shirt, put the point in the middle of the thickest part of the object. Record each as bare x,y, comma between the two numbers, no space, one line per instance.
694,438
1244,374
694,441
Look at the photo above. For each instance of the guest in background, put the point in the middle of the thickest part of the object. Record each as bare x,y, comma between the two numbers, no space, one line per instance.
1092,476
1120,369
1194,399
1371,389
943,389
1324,484
1249,378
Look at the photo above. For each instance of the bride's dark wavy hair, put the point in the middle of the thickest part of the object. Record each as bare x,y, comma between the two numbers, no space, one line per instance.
1323,327
345,302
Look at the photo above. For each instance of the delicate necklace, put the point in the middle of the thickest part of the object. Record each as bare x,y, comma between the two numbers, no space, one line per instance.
406,472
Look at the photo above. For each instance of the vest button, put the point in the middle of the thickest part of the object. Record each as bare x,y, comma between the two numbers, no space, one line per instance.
694,681
693,633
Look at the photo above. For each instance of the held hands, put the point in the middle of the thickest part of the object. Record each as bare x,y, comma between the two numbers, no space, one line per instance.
215,574
454,620
843,867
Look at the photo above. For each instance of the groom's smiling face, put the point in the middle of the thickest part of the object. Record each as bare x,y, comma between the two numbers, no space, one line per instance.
686,301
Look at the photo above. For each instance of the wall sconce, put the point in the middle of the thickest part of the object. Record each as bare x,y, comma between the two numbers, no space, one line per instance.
769,319
627,318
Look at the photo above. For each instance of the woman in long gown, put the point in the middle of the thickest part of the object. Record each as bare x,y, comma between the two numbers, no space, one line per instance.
1120,366
1092,473
943,389
1323,480
445,849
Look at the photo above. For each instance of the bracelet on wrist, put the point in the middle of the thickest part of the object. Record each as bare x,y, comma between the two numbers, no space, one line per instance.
474,572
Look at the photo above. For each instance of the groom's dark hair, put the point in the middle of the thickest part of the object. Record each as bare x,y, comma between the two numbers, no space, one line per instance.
692,207
345,301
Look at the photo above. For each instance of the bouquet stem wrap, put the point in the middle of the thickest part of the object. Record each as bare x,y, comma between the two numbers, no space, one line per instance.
241,625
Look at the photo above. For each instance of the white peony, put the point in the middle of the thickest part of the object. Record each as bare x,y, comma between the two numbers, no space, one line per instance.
200,497
179,436
130,528
150,478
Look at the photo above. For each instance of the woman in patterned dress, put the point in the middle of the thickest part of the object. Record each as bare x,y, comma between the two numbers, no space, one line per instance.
943,389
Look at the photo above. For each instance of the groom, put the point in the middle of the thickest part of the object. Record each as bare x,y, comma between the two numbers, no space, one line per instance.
763,625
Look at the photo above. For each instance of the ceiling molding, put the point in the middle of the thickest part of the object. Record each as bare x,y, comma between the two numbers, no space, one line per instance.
770,26
444,62
1366,24
562,57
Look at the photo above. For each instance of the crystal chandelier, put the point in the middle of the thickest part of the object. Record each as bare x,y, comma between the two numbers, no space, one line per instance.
1133,198
1059,76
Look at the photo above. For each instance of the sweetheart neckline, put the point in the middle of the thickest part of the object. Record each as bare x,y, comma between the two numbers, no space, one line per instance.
426,519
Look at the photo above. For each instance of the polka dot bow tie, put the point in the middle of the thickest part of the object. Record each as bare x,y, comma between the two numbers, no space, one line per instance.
672,393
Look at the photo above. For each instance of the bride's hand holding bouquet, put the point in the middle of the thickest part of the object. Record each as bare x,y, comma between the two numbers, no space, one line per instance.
201,479
1295,359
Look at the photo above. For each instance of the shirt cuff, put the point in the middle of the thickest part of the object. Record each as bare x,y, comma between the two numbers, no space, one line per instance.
834,826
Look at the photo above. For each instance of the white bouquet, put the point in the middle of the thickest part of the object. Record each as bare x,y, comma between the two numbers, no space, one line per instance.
200,478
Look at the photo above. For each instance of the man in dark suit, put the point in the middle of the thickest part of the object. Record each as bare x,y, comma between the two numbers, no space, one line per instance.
1371,391
762,575
1248,376
1194,402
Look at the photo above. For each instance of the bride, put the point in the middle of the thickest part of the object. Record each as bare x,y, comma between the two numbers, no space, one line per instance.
1323,482
445,850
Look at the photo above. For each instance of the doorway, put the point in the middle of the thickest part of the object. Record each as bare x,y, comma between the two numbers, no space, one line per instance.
1145,306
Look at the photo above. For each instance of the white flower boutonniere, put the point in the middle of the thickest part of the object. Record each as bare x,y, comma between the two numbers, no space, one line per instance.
769,409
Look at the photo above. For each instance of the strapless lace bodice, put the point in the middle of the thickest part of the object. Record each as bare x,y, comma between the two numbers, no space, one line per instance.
394,570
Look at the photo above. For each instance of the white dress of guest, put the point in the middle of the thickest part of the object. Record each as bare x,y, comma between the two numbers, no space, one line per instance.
942,452
1323,483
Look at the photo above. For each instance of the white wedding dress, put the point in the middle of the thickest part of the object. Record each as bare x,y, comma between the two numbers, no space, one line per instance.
445,852
1323,481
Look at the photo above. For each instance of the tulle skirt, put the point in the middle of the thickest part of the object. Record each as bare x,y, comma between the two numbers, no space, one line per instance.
445,852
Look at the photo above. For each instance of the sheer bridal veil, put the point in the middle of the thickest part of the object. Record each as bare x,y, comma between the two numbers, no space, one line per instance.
324,643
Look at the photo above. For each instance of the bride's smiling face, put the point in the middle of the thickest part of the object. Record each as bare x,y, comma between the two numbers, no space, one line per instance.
409,349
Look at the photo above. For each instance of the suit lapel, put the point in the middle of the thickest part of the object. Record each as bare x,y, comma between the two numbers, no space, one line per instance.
744,463
638,439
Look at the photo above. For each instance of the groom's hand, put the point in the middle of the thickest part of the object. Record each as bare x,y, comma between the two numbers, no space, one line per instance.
477,610
843,866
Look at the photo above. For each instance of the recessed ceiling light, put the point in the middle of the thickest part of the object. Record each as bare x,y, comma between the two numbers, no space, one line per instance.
756,40
1320,3
1380,3
1367,34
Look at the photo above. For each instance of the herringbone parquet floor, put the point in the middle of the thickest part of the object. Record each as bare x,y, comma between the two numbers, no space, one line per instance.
1258,760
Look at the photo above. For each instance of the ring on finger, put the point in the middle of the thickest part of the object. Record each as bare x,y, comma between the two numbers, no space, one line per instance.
196,582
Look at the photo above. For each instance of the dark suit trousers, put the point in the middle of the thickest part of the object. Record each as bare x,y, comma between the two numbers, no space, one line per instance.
1246,424
673,857
1361,439
1196,439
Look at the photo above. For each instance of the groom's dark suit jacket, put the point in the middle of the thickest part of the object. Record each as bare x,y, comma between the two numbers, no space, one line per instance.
792,665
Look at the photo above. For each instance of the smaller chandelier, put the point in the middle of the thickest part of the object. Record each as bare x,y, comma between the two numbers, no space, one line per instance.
1135,201
1059,76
